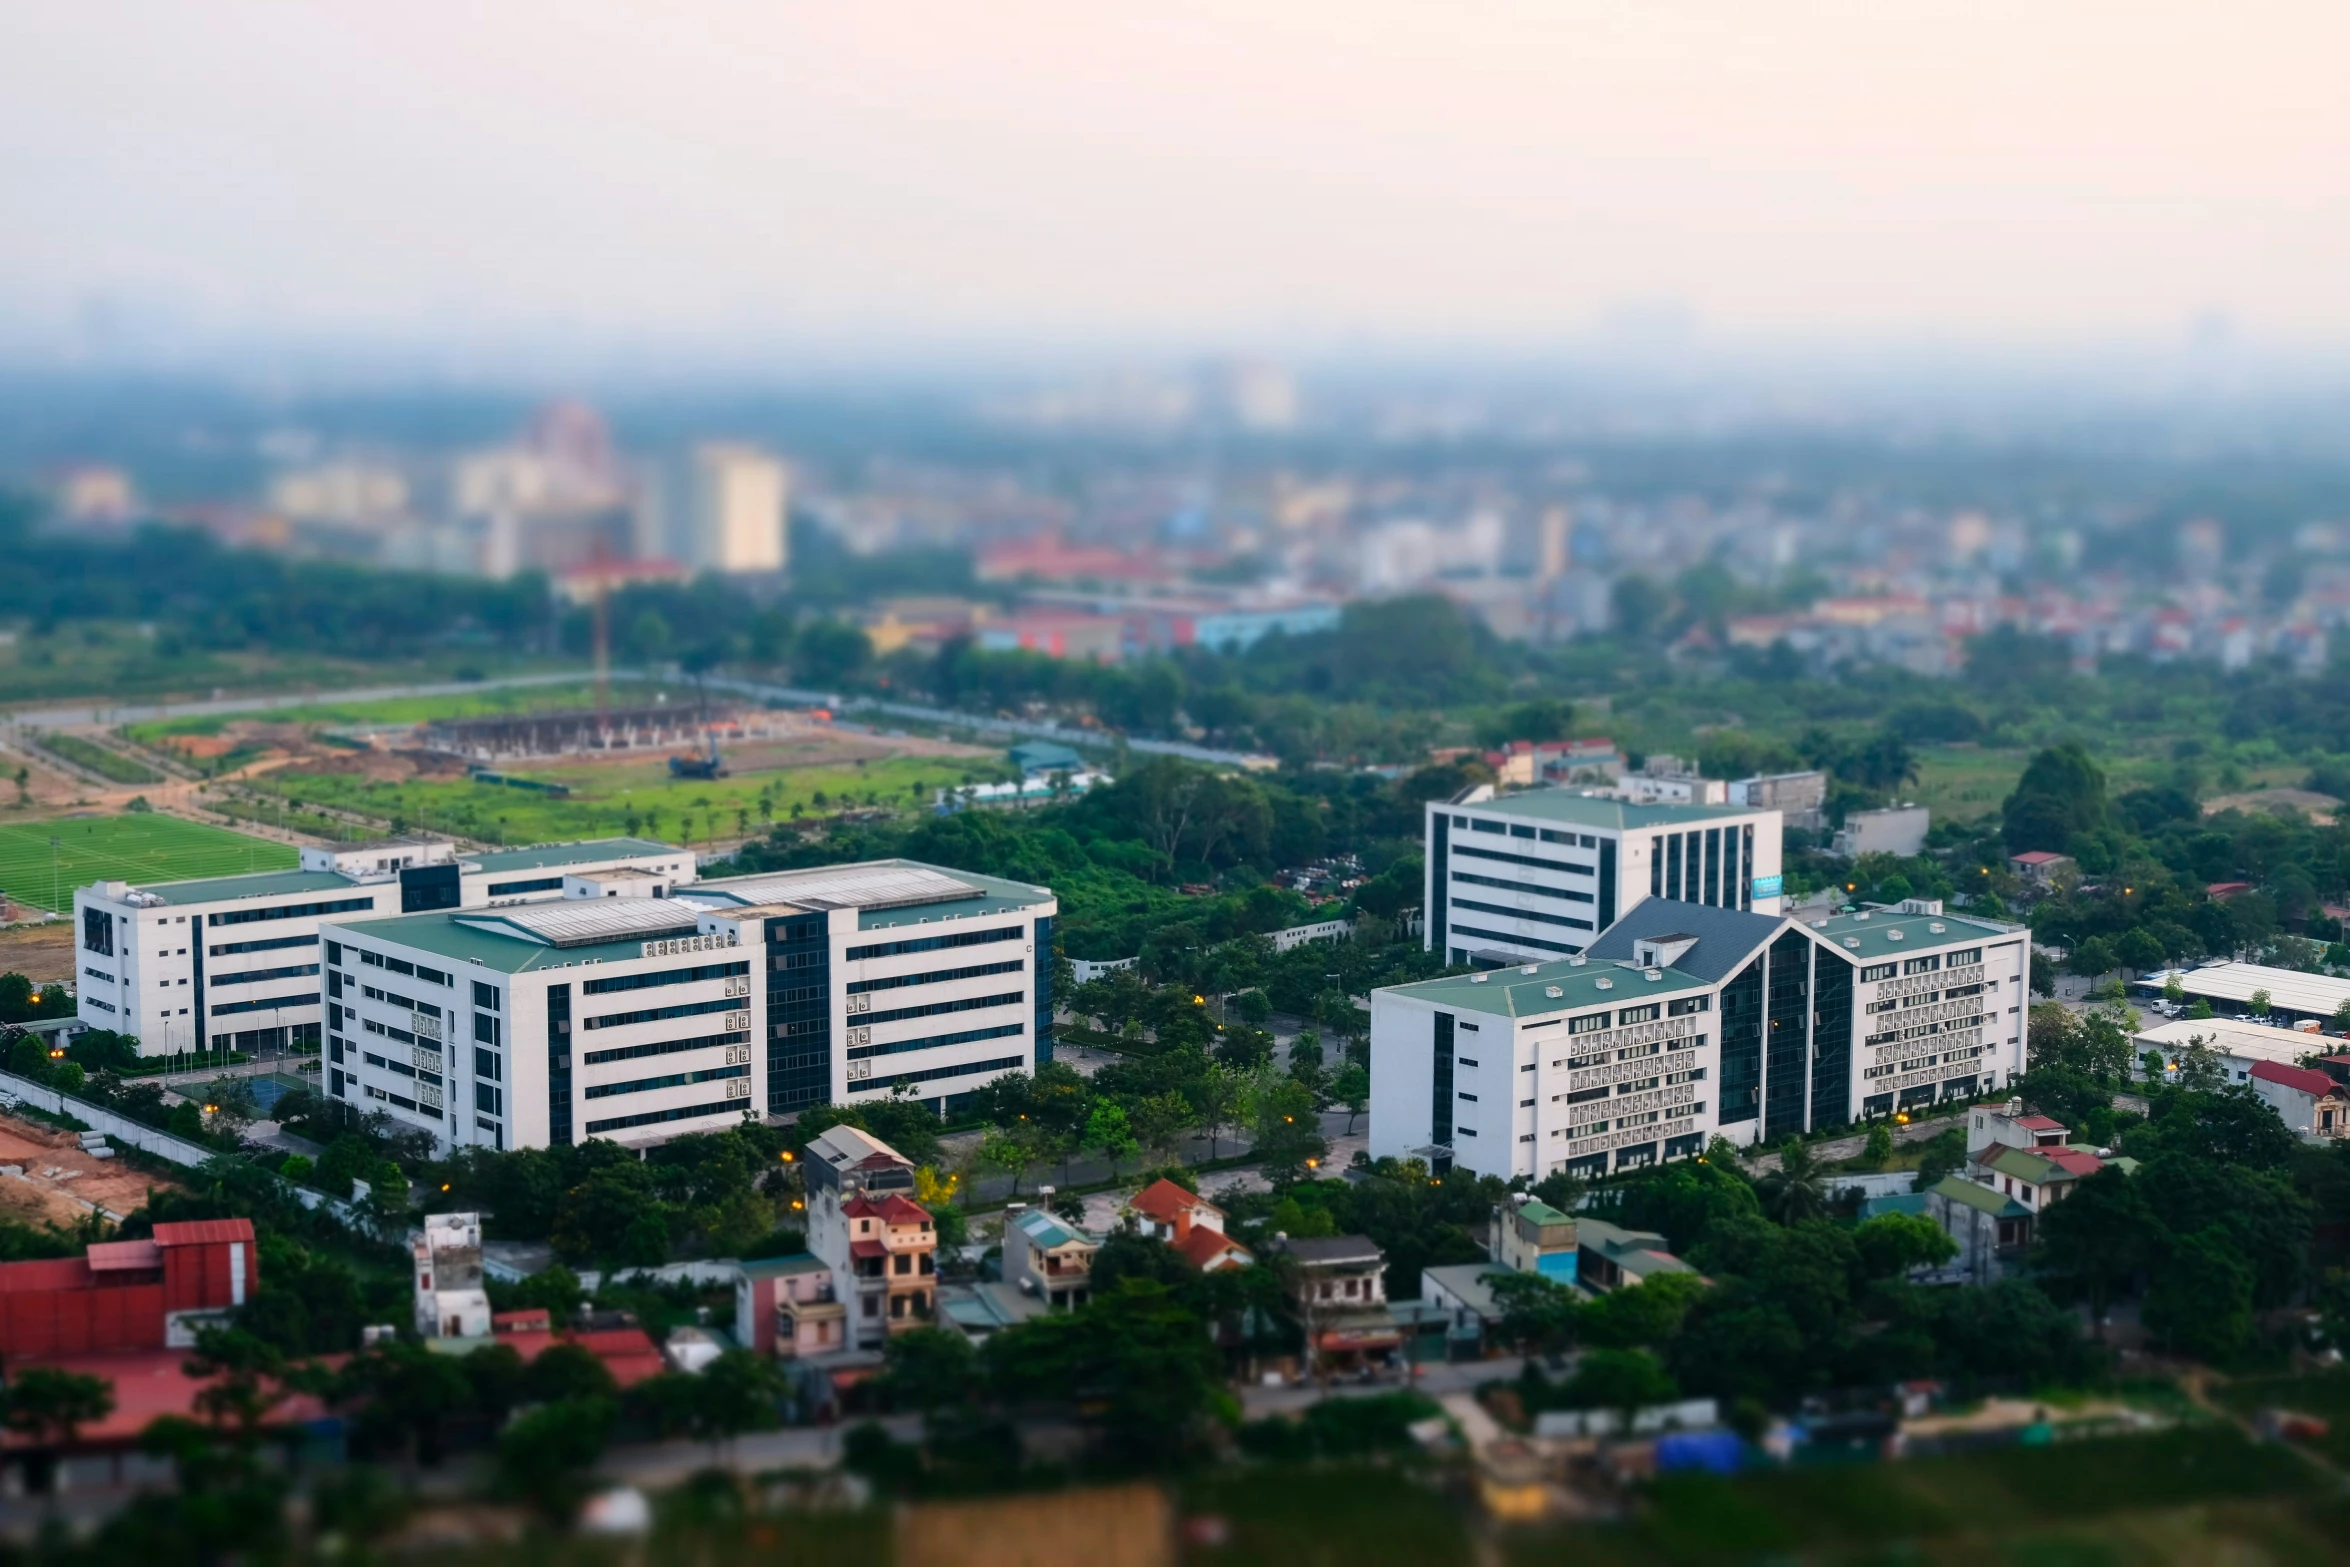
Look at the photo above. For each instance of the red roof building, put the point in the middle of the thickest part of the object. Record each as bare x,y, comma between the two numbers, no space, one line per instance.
628,1353
128,1295
1189,1223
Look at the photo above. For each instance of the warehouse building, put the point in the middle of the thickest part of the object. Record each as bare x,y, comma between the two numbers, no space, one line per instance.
1683,1022
2292,996
232,962
637,1016
1537,875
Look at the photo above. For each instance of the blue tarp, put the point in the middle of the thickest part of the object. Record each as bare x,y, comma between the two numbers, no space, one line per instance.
1706,1452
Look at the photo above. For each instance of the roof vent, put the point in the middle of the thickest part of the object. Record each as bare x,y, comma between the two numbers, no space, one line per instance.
1604,983
1936,927
1553,991
1479,979
1893,934
1531,968
1852,941
1652,976
1578,960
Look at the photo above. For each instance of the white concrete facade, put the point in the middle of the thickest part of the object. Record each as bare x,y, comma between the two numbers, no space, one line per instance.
1537,875
233,961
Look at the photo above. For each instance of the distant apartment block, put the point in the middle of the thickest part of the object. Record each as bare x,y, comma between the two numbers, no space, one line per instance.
1540,874
735,519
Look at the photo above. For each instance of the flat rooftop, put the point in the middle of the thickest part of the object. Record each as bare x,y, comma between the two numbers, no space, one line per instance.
886,894
1570,807
551,856
504,949
1874,934
265,884
1528,989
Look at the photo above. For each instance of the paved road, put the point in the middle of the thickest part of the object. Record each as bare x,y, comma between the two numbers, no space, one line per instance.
136,713
1845,1147
1438,1379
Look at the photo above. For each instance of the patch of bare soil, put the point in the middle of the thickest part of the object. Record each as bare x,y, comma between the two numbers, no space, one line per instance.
41,953
56,1172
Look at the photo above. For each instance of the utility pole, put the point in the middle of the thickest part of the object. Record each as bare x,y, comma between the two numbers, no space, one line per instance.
56,884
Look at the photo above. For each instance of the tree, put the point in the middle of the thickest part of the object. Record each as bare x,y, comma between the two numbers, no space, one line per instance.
1137,1360
1879,1148
934,1368
739,1391
1218,1093
614,1218
1287,1131
1014,1152
545,1454
1794,1191
2260,1003
2096,1244
1162,1122
1624,1380
2139,950
1351,1087
1538,1315
2201,1300
1644,1314
566,1372
48,1406
2059,800
1893,1245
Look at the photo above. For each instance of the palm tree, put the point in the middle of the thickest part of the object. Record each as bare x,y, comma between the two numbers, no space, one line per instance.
1793,1192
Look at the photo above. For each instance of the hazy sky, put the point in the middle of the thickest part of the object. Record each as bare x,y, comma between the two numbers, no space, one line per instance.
1228,171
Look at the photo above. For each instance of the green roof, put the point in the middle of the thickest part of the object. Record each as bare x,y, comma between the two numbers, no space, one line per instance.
1898,1202
466,943
780,1267
549,856
1524,991
1979,1197
1540,1212
266,884
1586,810
1869,935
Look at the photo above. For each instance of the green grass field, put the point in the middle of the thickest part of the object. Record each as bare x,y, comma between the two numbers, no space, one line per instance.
140,847
639,798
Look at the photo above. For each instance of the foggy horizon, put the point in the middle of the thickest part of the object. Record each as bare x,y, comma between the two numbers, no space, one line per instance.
2036,188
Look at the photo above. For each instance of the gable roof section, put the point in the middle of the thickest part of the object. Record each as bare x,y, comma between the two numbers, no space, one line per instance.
1726,938
1163,1200
1204,1247
2315,1084
1047,1231
1981,1198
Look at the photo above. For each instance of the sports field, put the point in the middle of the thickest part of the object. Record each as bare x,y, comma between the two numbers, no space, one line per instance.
135,847
396,710
638,797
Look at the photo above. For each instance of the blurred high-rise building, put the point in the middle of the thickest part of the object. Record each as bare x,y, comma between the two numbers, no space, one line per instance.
735,511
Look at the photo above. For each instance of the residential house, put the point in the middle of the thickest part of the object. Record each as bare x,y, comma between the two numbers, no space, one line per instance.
2309,1102
2010,1127
2041,868
1609,1257
450,1297
1048,1259
786,1306
1338,1284
1188,1223
1991,1230
879,1243
1531,1236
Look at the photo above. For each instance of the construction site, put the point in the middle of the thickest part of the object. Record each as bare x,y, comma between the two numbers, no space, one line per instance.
576,731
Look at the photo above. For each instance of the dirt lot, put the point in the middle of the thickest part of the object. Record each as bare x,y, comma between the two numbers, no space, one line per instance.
40,953
40,1195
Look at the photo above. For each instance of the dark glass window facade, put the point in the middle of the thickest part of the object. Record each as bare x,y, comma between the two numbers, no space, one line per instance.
1789,1036
1742,1031
1831,1072
559,1064
799,1014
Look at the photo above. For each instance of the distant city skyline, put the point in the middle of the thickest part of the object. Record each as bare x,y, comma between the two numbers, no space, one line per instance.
712,182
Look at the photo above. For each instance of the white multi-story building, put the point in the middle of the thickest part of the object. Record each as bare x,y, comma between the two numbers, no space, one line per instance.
639,1018
1683,1022
735,513
1539,874
232,961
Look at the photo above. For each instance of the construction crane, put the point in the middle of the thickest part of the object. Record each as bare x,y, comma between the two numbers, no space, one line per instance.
707,765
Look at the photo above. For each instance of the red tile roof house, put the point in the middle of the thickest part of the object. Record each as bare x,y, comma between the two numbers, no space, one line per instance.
128,1312
1190,1224
2309,1102
628,1353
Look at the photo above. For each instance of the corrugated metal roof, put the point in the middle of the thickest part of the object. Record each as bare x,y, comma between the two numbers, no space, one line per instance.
883,884
582,922
2315,994
265,884
552,855
203,1232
